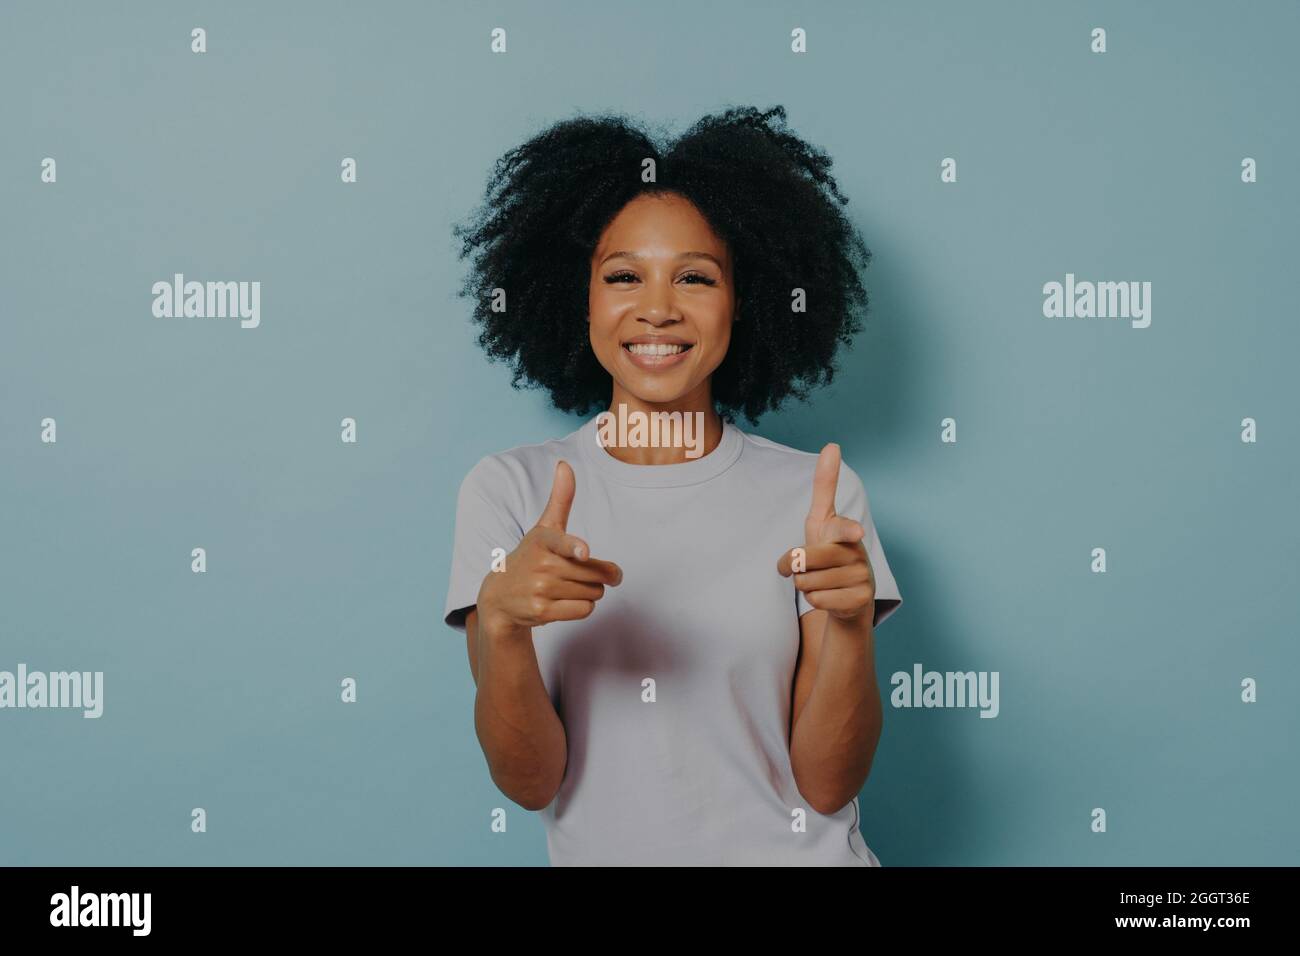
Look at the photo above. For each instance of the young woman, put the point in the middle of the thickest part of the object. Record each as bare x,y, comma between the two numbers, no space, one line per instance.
671,631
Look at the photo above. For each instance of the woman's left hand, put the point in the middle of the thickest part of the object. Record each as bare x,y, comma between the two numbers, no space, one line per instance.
831,569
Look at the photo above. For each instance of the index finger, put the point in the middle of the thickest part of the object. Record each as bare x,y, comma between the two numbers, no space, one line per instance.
606,571
577,557
818,557
562,543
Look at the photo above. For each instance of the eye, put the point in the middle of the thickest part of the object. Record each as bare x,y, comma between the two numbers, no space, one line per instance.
623,275
701,277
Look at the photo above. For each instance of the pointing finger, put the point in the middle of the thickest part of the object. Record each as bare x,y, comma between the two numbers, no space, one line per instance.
578,563
565,545
818,556
606,571
841,529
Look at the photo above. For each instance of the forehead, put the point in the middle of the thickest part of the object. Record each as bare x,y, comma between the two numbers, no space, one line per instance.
666,221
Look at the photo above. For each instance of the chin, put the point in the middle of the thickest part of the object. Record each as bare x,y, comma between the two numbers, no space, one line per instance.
655,396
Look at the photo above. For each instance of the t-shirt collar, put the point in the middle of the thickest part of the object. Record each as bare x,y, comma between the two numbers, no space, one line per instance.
689,472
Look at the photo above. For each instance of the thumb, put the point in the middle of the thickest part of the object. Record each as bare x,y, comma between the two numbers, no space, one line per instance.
825,478
556,514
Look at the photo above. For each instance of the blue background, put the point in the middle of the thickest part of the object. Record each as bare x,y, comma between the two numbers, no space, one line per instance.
1118,690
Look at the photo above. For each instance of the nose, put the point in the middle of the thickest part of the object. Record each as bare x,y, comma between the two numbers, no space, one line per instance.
659,303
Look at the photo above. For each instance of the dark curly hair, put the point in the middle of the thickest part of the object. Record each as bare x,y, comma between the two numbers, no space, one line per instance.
767,194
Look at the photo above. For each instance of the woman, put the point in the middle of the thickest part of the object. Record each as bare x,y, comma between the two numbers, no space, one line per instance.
671,631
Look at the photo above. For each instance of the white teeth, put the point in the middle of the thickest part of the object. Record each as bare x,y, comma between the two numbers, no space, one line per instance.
639,348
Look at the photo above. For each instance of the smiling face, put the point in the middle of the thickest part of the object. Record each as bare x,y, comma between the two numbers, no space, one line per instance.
661,303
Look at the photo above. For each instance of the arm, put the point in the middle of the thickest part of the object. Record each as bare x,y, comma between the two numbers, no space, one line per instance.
836,713
521,734
550,576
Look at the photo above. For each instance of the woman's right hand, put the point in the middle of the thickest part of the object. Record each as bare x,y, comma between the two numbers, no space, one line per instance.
550,576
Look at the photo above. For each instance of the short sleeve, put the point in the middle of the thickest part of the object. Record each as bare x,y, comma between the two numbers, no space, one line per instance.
484,522
851,502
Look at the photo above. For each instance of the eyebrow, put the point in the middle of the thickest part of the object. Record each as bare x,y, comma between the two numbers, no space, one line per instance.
637,257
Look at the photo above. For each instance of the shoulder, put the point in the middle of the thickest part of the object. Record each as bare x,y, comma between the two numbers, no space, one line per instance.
511,473
796,465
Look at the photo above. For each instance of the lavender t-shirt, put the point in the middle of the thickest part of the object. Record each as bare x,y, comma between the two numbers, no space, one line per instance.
675,693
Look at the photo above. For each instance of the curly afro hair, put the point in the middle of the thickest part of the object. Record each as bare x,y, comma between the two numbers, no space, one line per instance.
768,195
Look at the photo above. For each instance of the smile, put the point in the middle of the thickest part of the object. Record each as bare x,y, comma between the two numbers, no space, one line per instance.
645,348
655,355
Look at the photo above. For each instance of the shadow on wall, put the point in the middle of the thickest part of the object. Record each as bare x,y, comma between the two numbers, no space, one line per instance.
921,804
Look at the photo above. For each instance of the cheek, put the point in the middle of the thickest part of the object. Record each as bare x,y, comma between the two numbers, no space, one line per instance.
720,339
717,354
600,322
604,312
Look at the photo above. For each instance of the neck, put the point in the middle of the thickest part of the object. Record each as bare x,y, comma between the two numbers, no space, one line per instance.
652,439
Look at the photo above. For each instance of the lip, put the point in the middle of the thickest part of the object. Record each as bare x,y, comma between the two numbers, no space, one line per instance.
647,339
652,363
